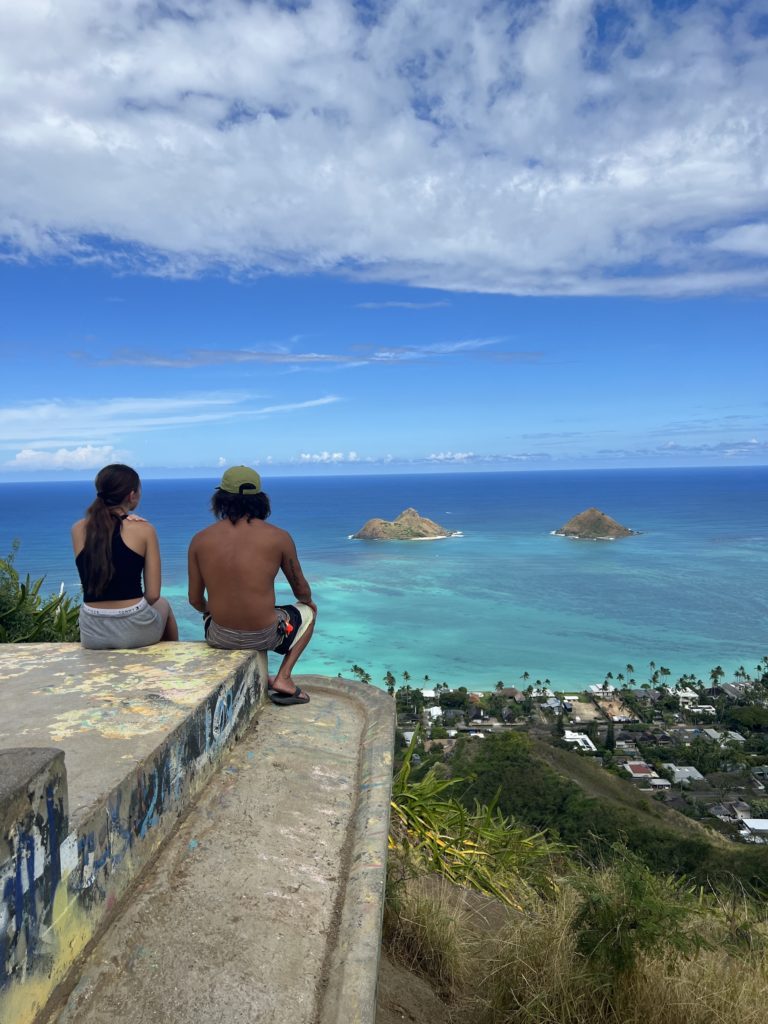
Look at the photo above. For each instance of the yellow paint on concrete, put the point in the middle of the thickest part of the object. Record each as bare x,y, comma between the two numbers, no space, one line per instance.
67,938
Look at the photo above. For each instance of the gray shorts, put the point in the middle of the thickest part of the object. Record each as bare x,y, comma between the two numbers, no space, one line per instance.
293,620
110,629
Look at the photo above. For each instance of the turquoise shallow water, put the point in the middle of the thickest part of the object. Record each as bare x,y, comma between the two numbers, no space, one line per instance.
507,597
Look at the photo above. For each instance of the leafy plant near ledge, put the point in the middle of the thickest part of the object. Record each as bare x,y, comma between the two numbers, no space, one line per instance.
481,849
26,615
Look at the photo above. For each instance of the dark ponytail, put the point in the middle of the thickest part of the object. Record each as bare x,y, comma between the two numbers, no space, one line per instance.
113,485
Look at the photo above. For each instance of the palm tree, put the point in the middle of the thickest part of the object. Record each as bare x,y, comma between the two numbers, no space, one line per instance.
525,676
406,677
390,682
500,685
716,674
630,669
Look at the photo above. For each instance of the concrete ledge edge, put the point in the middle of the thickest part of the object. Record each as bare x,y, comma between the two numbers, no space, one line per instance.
352,967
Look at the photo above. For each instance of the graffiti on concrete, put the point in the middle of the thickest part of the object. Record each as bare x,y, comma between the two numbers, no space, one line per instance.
95,864
30,877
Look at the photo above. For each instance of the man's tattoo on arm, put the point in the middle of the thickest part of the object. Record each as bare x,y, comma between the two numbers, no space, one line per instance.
290,571
296,580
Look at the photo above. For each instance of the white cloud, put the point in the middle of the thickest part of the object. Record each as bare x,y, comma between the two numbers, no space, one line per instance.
323,457
451,457
401,305
55,421
86,456
749,238
559,147
222,461
363,355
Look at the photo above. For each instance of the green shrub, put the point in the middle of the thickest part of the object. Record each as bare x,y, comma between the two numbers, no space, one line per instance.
26,615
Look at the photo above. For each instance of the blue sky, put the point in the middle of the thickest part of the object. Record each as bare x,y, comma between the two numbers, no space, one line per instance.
339,237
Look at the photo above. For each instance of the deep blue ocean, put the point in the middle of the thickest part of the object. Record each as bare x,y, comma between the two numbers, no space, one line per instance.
507,597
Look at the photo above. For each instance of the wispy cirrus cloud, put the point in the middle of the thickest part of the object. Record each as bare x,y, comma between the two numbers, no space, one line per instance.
561,147
729,449
401,305
57,422
361,355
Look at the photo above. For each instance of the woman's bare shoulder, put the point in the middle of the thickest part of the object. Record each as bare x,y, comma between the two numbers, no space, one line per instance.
137,527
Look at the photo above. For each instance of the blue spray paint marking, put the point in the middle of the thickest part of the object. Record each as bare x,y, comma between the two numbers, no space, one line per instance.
116,828
53,841
150,818
8,890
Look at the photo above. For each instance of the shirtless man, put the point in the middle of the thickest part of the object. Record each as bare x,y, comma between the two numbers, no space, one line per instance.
232,570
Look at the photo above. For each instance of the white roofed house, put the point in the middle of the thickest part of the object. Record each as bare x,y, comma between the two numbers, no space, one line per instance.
755,830
723,737
683,774
733,737
600,689
686,696
580,741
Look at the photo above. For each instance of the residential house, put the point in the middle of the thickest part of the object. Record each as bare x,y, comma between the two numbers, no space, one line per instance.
686,696
599,689
639,771
580,741
683,774
723,737
732,691
685,734
755,829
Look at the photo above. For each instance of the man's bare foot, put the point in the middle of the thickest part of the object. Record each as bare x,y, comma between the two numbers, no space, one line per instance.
280,696
283,684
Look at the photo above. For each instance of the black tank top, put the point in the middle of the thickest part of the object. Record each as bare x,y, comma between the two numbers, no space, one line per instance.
126,578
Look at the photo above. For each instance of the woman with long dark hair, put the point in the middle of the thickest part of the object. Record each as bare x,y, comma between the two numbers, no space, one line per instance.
118,558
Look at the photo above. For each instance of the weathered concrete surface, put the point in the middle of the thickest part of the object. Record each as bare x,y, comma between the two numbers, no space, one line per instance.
265,906
141,731
20,766
108,710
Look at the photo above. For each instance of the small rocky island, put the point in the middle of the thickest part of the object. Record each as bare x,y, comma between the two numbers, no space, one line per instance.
592,524
409,525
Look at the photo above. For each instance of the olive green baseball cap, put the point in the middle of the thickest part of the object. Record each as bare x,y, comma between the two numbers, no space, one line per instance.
240,480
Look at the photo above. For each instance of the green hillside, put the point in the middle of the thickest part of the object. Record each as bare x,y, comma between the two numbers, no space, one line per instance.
548,788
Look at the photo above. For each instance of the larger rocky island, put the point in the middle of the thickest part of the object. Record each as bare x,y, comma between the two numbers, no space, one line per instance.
409,525
592,524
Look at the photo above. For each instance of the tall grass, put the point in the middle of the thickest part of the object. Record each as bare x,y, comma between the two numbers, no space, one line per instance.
482,849
614,945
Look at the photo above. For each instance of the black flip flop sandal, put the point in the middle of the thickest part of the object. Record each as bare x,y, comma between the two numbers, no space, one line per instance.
284,699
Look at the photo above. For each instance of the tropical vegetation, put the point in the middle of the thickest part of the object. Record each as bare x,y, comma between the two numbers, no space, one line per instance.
28,615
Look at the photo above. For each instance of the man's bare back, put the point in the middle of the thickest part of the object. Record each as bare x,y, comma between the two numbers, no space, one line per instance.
232,570
236,563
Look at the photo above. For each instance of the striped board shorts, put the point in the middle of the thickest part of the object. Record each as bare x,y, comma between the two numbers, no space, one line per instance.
114,629
293,620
